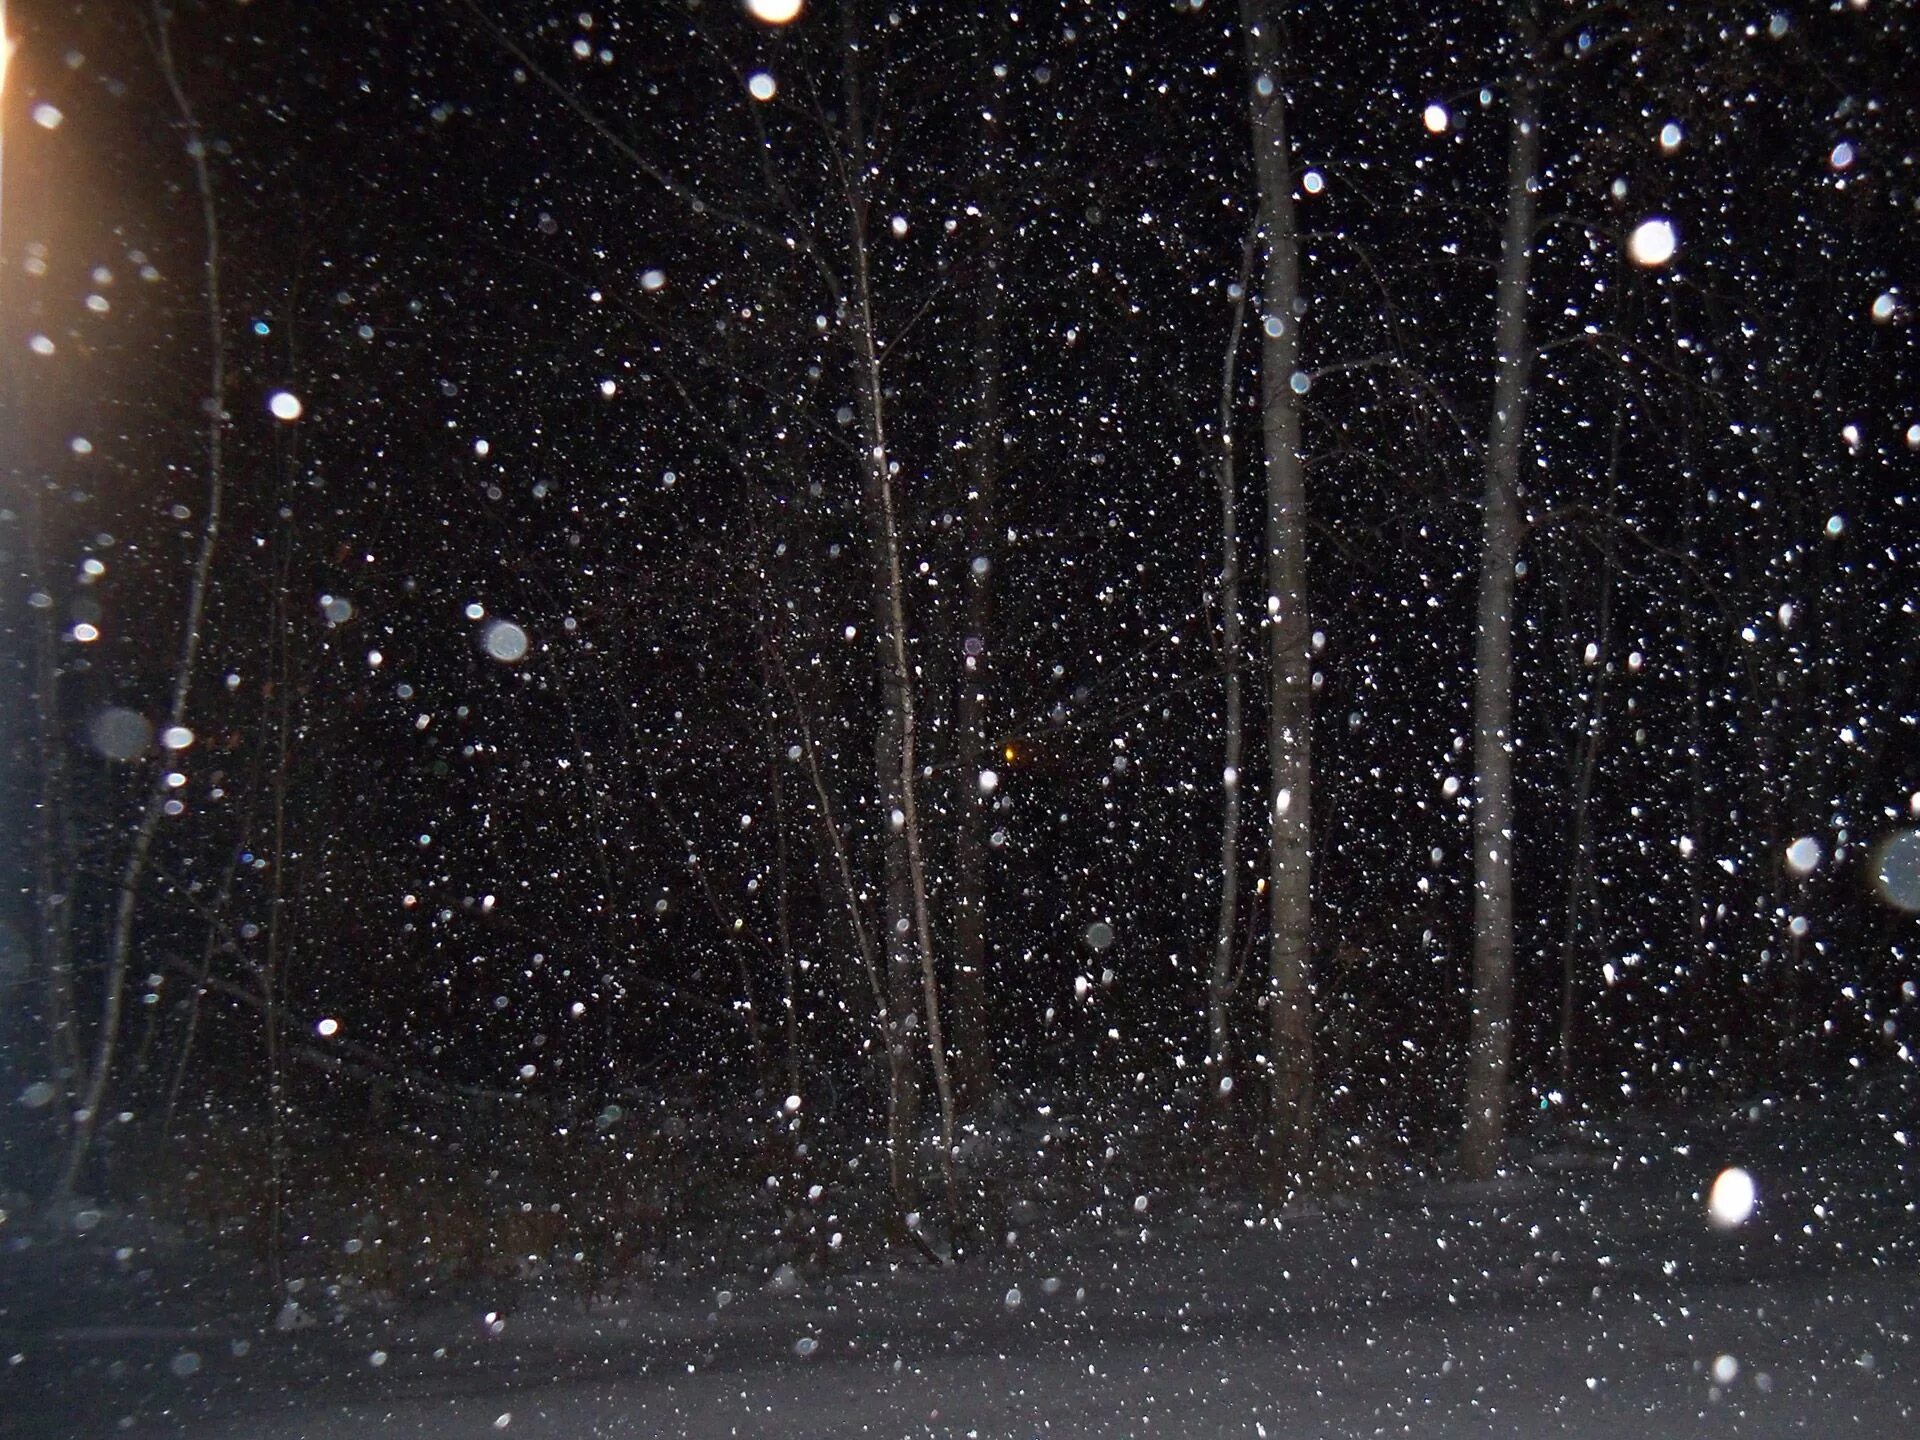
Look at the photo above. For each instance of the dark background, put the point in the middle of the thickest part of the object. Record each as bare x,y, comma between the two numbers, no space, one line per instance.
431,249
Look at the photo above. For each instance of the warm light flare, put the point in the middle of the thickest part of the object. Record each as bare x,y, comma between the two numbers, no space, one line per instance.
775,12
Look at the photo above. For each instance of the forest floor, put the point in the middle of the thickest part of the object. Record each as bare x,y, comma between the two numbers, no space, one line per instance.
1584,1294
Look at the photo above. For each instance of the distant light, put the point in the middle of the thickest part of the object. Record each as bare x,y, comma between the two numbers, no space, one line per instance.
651,280
1731,1201
328,1028
1843,155
775,12
46,116
1803,855
285,405
760,85
1653,242
505,641
1436,118
1670,136
1313,182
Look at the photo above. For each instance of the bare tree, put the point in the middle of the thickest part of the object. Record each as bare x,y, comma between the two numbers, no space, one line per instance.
896,747
134,873
1289,679
1490,1049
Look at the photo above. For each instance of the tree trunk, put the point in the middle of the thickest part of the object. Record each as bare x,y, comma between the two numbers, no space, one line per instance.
897,783
1490,1047
1289,679
133,873
1220,975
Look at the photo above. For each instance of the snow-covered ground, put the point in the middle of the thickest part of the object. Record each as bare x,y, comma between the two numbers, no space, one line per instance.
1586,1295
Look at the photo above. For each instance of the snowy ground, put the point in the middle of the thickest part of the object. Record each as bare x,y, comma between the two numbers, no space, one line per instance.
1585,1296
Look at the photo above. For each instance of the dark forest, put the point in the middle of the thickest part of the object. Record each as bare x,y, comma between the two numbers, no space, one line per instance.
672,631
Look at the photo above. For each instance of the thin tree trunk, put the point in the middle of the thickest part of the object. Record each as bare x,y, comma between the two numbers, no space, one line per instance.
972,1062
1289,679
1220,975
896,751
133,873
216,920
900,1087
1490,1047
